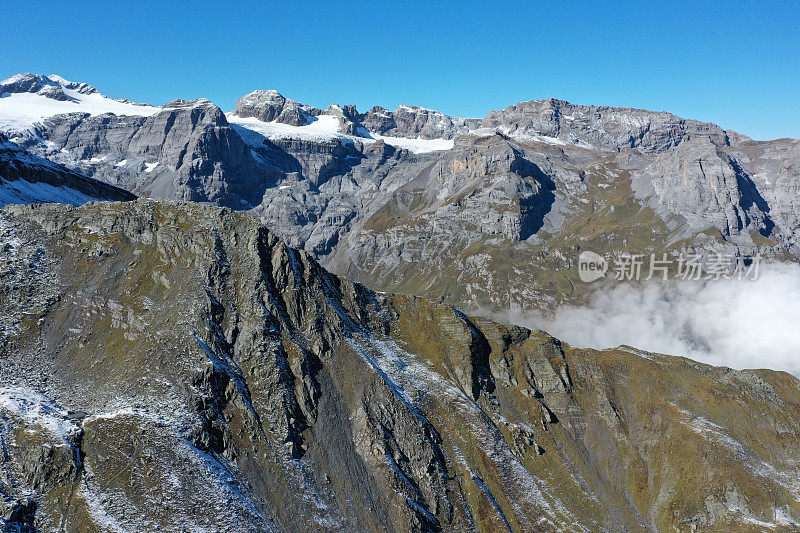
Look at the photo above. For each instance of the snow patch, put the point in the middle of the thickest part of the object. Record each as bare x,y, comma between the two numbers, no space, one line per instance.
418,146
324,128
24,192
98,511
36,409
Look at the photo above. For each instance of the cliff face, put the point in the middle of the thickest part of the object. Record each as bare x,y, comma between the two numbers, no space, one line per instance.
174,366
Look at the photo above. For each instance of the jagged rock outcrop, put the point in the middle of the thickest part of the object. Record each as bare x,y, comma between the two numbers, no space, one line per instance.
184,369
414,121
406,121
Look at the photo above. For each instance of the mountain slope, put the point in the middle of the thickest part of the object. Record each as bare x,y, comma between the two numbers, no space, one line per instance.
174,366
25,178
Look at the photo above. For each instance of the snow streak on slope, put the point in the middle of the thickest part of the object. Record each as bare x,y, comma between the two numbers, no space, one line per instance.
24,192
409,377
323,129
215,480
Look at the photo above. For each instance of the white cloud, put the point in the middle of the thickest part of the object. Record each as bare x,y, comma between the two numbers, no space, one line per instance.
740,324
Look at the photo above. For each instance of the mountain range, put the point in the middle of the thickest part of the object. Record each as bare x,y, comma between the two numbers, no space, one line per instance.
262,320
487,213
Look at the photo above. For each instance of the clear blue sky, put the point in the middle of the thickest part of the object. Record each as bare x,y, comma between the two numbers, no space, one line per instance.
733,63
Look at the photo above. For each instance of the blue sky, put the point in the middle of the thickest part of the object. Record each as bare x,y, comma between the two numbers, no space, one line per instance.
736,64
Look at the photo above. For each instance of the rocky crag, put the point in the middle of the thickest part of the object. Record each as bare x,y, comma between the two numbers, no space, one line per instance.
172,366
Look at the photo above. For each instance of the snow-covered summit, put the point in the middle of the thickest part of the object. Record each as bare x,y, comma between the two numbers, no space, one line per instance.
48,86
27,99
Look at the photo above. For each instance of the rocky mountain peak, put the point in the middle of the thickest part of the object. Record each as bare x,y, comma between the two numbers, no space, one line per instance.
407,121
34,83
49,86
412,121
604,127
270,105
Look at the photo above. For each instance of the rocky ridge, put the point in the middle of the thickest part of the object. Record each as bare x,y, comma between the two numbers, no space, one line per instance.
237,385
605,128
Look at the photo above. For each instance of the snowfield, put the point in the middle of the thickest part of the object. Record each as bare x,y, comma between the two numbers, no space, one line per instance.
19,112
325,128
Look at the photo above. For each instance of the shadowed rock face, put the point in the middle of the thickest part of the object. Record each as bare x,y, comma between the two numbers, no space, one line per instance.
187,151
706,187
173,366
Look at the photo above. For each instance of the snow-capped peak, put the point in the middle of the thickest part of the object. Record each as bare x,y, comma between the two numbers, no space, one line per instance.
27,99
83,88
51,86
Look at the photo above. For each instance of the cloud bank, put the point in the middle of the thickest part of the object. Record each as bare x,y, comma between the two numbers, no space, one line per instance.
740,324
